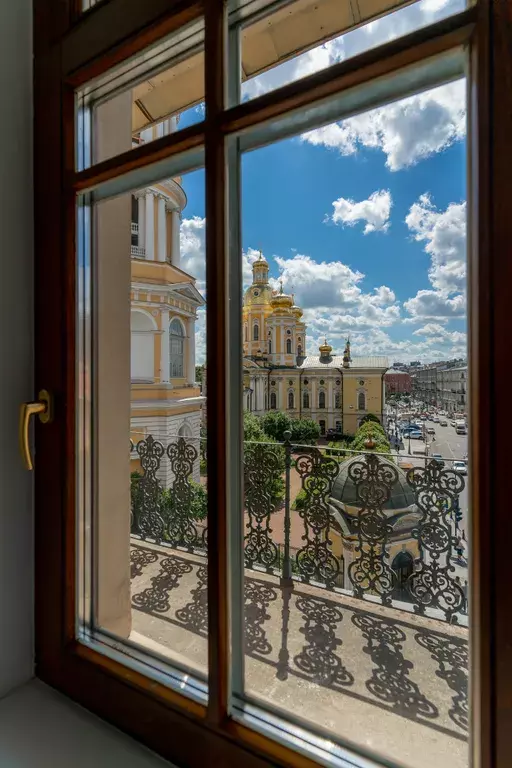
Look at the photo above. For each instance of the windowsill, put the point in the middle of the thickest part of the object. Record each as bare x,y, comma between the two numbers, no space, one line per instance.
62,734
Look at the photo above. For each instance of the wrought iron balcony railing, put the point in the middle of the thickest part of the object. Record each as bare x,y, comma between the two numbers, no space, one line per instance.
334,518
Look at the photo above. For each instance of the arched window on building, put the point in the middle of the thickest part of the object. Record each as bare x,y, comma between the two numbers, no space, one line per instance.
291,399
256,332
337,400
321,399
361,402
270,346
273,401
299,350
321,424
176,349
288,346
305,400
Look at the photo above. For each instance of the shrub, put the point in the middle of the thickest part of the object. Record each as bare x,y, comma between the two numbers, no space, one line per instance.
275,424
370,417
304,431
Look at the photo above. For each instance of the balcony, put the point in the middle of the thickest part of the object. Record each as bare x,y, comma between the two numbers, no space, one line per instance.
138,251
135,228
354,597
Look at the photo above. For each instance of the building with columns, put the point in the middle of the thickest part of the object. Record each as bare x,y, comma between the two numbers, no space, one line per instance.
165,401
336,391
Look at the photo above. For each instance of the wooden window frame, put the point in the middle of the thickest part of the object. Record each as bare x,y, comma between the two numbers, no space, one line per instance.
69,50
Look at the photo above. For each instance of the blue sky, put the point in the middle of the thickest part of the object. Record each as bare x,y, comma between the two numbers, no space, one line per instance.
364,220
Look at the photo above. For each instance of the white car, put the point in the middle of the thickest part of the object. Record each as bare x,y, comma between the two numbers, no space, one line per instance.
435,419
460,467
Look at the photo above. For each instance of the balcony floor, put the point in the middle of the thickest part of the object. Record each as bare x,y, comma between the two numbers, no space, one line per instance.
389,679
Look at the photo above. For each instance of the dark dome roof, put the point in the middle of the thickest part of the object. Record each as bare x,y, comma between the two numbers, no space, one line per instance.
345,491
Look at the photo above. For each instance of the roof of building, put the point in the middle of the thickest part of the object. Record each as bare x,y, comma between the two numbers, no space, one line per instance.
336,361
344,489
396,372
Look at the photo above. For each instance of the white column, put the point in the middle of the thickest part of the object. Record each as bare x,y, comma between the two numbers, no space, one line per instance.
150,227
191,351
162,233
164,354
175,238
141,200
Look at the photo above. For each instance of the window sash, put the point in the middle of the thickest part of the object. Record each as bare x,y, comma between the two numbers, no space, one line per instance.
78,670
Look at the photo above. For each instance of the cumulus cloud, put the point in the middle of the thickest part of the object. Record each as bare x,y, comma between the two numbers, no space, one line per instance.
444,236
434,332
192,249
434,305
406,131
374,211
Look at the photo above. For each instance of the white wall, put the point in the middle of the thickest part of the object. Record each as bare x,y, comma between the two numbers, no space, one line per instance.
16,339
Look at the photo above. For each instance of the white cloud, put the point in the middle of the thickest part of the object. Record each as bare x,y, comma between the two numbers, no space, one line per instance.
444,235
406,131
319,284
436,333
434,305
192,249
374,211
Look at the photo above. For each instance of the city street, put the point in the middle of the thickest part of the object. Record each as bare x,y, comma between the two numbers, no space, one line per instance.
451,446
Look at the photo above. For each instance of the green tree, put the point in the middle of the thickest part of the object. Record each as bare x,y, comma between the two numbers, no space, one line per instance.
199,373
275,424
304,431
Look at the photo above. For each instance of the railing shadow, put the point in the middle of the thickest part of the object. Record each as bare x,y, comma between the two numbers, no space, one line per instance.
323,622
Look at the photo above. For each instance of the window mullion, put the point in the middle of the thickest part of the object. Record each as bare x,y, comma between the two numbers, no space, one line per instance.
217,361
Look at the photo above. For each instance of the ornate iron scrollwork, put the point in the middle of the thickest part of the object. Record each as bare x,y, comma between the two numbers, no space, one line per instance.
432,585
315,560
262,466
180,526
369,572
150,522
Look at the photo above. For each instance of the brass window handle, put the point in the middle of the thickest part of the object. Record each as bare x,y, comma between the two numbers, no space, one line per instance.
43,407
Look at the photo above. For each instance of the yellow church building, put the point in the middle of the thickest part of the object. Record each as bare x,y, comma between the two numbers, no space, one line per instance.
334,390
165,400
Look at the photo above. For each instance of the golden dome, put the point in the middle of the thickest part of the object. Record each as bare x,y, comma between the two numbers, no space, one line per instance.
281,300
296,311
325,349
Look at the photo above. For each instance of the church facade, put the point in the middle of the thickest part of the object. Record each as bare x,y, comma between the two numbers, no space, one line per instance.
336,391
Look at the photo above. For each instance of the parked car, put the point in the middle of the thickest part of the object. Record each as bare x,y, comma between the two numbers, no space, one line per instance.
435,419
333,434
453,423
438,458
416,435
443,423
431,431
460,467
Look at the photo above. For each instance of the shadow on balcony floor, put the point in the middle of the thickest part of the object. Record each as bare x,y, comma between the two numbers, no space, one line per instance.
397,680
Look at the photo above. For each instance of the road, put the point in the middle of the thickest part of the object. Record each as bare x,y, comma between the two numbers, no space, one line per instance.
451,446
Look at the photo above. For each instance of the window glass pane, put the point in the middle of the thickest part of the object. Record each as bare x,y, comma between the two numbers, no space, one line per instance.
149,96
144,383
356,502
304,36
